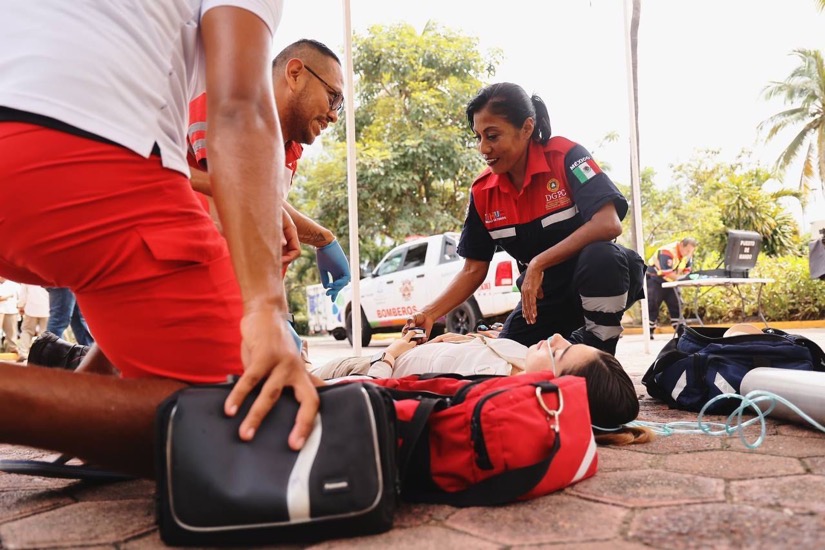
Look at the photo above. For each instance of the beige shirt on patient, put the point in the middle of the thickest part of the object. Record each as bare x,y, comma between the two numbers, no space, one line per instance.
475,355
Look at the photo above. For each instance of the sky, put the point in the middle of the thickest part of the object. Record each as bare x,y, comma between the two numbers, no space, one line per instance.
703,65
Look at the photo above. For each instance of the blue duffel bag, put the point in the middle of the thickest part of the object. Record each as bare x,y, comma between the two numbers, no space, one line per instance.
701,363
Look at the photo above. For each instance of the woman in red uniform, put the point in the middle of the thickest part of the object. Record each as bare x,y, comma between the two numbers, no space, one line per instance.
547,203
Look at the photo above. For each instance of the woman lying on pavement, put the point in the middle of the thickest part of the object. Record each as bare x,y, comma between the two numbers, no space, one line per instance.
612,397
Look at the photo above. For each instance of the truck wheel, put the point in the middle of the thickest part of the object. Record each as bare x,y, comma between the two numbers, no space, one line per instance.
366,330
339,333
463,319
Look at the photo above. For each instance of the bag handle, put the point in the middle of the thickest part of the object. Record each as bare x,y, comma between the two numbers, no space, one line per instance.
508,486
817,354
504,488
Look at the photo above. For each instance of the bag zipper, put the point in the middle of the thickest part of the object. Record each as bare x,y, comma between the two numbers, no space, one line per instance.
477,435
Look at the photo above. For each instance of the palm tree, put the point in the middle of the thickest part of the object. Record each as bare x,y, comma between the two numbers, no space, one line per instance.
804,91
744,204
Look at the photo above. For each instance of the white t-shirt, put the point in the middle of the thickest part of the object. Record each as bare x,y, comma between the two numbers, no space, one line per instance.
34,300
490,356
9,290
122,70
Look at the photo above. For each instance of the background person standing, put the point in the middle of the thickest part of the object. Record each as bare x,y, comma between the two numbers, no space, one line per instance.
669,263
64,311
8,313
33,303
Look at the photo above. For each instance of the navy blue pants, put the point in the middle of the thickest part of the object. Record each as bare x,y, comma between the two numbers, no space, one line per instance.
656,295
604,281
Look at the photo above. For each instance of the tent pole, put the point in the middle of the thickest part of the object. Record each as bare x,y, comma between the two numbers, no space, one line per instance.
352,181
635,185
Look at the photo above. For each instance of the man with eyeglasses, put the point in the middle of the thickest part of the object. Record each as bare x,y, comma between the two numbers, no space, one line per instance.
308,87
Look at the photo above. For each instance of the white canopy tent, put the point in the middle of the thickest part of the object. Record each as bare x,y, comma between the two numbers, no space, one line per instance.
352,179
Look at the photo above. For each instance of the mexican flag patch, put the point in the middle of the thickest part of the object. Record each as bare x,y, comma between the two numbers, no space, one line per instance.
586,170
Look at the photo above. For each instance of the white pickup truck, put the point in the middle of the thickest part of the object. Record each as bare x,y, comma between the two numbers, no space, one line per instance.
409,277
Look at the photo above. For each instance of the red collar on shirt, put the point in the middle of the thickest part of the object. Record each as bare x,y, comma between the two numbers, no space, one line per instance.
294,150
536,164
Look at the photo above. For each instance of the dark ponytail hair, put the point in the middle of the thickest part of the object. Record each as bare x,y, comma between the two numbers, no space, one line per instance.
510,101
613,401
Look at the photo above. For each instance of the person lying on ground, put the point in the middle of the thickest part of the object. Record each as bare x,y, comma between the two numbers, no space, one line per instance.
611,394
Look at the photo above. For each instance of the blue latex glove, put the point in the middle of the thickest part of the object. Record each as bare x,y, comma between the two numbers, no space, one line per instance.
295,337
334,268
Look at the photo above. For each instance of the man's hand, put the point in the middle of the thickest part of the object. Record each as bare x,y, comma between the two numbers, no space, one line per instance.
268,352
531,291
334,268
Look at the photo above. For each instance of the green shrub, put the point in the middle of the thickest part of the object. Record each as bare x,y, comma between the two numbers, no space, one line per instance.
793,296
301,324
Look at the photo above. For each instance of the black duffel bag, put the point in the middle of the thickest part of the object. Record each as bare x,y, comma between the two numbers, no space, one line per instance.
214,489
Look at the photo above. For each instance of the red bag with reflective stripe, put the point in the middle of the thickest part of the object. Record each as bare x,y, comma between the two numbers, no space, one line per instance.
491,440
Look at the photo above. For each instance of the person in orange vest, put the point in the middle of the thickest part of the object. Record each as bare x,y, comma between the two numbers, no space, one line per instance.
669,263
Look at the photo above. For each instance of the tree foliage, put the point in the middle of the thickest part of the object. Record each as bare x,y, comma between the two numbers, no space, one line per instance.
415,154
415,162
706,198
804,92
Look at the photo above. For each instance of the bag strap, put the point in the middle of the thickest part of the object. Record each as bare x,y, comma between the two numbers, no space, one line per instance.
660,365
412,433
508,486
452,375
817,354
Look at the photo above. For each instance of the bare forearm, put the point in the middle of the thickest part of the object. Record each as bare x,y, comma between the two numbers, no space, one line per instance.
105,420
309,231
200,181
245,146
603,226
460,288
95,362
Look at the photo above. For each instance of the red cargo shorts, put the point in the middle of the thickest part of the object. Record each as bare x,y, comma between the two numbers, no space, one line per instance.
151,273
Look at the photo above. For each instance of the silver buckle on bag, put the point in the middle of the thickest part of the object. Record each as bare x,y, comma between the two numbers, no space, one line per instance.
551,415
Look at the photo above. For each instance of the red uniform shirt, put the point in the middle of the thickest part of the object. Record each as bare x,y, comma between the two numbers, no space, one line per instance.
563,188
197,138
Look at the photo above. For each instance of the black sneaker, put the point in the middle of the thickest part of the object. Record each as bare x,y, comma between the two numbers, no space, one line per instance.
49,350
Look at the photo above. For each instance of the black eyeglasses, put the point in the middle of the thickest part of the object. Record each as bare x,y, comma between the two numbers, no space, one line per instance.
336,102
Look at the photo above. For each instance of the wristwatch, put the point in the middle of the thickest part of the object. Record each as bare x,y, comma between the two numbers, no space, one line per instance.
383,356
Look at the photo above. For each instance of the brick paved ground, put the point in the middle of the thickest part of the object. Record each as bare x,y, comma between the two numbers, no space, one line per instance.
684,491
